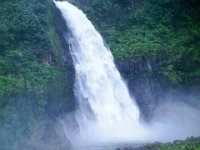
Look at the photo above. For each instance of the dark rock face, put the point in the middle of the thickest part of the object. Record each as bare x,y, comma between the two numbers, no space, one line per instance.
144,83
147,91
143,65
62,32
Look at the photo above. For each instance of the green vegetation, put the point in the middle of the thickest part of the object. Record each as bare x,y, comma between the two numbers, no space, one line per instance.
165,31
25,46
34,81
188,144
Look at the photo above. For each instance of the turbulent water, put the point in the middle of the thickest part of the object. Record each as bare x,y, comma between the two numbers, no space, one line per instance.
105,106
106,112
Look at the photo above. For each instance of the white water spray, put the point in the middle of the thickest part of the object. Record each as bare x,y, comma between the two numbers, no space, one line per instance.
106,112
105,106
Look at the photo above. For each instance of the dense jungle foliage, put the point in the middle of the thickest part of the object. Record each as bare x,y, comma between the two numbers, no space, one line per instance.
34,81
167,32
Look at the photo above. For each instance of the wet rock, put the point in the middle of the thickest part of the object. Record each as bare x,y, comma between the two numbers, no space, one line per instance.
144,83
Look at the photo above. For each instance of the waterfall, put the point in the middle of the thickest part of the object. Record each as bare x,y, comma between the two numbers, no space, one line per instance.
106,112
105,108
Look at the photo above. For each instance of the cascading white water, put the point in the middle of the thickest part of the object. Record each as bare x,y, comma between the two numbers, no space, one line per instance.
105,106
106,111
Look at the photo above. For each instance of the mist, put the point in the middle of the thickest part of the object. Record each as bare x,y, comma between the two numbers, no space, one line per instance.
172,120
